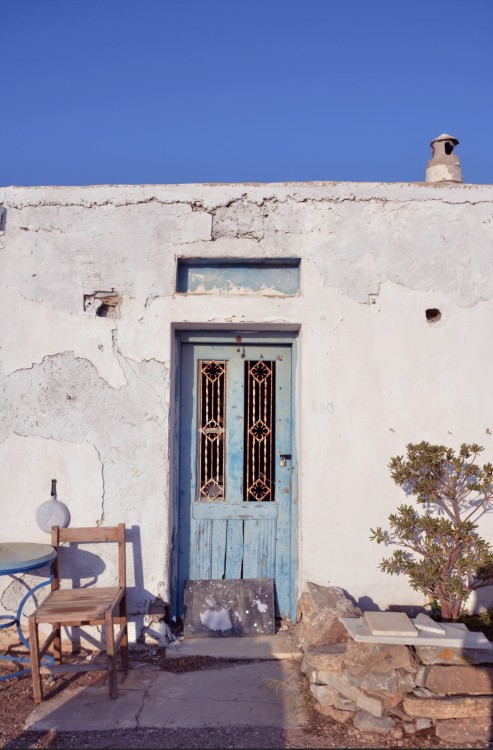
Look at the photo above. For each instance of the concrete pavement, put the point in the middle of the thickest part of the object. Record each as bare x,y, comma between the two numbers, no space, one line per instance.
262,693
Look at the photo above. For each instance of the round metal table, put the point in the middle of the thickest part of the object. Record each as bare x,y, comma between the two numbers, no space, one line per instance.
21,557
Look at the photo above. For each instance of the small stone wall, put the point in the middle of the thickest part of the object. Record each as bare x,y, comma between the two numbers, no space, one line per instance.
387,689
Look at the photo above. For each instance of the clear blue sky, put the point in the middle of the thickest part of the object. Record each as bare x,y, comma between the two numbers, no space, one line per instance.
170,91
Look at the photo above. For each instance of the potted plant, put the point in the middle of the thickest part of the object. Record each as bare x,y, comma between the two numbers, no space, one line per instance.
441,551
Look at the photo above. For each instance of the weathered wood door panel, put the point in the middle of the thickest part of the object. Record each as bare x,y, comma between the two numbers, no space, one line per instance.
236,512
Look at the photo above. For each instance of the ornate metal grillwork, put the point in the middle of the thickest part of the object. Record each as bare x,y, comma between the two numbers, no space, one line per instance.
212,410
259,430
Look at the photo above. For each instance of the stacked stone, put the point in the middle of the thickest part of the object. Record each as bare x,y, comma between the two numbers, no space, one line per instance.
455,692
392,689
365,683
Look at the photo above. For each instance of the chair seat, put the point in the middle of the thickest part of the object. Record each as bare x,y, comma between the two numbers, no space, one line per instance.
66,605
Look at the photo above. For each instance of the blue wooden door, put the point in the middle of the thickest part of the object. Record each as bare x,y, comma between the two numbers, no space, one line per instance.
236,515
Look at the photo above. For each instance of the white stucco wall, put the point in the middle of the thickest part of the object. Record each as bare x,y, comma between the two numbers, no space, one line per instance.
87,399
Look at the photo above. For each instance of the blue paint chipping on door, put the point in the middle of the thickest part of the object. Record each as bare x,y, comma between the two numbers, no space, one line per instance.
236,511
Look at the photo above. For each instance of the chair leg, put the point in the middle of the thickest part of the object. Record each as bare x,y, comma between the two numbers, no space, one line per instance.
124,640
57,643
110,654
34,656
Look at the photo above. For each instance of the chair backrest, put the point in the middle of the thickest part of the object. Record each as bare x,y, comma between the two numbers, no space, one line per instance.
89,535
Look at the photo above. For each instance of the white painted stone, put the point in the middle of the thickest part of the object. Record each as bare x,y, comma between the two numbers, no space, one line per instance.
456,636
389,624
427,625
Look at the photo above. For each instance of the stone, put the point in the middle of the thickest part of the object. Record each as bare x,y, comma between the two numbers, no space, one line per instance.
399,713
458,680
324,694
464,730
320,609
329,657
234,607
445,655
420,676
391,701
409,727
427,625
422,723
389,623
360,658
388,684
448,708
456,636
334,713
340,684
343,703
366,722
370,704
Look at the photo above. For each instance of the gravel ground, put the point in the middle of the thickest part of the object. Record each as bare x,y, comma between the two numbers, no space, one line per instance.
16,703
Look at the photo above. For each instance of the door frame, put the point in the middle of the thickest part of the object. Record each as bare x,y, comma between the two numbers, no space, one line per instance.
202,335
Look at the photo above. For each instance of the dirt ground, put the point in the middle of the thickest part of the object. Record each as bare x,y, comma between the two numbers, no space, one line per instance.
16,703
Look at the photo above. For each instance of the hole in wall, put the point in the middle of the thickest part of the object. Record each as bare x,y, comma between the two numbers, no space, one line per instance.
433,315
449,147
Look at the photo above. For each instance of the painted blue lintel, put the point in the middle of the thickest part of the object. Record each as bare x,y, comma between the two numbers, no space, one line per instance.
279,276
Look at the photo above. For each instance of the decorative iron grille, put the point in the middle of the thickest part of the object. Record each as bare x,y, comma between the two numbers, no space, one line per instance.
212,410
259,430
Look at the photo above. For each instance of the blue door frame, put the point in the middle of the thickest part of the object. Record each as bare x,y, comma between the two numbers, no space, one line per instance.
230,536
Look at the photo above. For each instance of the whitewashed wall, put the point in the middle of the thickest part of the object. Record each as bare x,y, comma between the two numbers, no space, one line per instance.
87,399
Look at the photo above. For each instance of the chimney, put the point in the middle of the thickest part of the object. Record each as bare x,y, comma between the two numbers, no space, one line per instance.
444,165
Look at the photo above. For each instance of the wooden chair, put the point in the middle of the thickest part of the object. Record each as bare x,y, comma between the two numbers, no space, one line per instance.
93,605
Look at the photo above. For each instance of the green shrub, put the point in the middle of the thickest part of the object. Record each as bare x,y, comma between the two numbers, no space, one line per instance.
442,553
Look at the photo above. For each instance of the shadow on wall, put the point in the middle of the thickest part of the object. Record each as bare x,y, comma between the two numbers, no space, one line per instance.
3,220
83,568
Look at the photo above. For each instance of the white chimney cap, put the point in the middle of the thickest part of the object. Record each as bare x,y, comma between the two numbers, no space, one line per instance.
445,137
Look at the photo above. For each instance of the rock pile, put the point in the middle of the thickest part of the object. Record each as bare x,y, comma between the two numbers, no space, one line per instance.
392,689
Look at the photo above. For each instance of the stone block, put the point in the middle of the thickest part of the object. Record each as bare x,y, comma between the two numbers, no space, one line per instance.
340,684
455,680
363,657
464,731
366,722
330,658
392,701
370,704
389,623
427,625
324,694
387,683
422,724
449,708
420,676
235,607
343,703
334,713
320,608
447,655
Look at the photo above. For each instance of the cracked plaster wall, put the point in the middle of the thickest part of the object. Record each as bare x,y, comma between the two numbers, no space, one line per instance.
94,393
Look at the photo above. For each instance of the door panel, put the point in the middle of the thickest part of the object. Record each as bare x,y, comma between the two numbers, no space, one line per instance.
235,495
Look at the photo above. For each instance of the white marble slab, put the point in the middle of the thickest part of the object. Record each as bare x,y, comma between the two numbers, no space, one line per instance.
456,636
390,623
427,625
